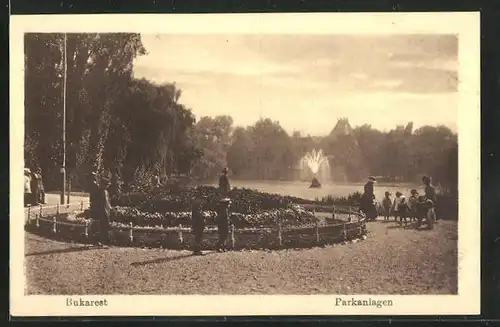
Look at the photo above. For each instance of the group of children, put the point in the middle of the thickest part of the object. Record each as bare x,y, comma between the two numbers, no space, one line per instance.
402,209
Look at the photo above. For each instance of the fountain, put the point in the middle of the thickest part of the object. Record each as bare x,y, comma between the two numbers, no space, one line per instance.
317,163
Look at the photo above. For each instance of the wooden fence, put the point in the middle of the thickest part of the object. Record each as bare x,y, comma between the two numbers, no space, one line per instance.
49,224
41,211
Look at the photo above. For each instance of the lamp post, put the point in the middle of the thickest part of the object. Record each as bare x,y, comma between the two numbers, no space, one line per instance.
63,163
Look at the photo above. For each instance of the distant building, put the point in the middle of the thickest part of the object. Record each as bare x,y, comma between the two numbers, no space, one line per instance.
345,146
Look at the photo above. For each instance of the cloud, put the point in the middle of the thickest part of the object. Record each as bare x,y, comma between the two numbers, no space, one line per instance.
307,81
438,64
423,64
203,54
361,76
387,83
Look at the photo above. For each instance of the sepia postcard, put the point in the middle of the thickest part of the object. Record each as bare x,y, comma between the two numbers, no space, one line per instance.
245,164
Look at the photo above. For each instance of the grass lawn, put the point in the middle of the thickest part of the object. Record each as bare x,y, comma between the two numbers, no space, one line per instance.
393,260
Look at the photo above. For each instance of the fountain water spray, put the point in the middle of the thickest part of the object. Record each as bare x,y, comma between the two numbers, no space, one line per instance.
316,160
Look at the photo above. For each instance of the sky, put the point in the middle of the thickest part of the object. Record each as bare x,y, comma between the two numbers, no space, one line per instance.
307,82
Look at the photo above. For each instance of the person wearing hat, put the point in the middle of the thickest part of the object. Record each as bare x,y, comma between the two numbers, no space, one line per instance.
387,205
368,199
40,190
430,191
223,224
27,187
224,186
198,225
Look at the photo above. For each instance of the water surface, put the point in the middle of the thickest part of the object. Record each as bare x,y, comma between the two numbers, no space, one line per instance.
302,190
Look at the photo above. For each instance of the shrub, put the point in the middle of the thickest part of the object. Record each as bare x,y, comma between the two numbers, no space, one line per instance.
352,199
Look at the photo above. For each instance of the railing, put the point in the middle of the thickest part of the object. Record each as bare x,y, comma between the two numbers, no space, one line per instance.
43,210
318,233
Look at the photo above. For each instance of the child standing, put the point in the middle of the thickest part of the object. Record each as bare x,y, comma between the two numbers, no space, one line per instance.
412,205
387,205
400,208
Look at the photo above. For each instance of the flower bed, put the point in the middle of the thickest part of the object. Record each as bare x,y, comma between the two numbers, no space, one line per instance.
290,216
165,199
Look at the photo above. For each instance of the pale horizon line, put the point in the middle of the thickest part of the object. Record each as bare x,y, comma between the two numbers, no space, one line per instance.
304,134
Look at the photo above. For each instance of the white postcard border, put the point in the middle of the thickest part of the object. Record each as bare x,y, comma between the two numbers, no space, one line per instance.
465,25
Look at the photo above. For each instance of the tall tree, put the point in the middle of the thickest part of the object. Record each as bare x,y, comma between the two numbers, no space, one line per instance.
239,154
113,121
213,137
371,143
272,155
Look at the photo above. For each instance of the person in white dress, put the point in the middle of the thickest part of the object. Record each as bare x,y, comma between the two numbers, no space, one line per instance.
27,187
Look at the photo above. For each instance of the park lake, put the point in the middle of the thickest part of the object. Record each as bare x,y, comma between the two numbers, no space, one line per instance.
301,189
291,188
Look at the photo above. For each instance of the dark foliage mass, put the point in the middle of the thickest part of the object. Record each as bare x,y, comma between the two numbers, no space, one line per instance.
135,129
171,207
243,200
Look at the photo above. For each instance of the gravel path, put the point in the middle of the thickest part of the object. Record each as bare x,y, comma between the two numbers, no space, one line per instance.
392,260
52,200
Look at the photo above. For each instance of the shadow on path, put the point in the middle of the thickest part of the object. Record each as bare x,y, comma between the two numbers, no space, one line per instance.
413,226
168,259
401,227
387,221
67,250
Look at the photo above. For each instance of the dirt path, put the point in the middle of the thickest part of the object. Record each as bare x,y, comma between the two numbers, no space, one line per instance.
392,260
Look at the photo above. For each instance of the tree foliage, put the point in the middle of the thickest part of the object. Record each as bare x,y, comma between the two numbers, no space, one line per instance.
115,123
134,128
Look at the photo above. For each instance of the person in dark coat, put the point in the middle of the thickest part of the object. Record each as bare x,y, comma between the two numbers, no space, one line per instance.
198,225
368,188
100,207
34,189
223,224
40,195
224,186
430,191
104,212
368,199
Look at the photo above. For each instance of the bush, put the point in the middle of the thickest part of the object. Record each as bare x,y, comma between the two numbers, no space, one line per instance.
352,199
166,199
